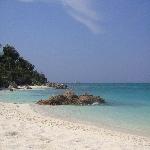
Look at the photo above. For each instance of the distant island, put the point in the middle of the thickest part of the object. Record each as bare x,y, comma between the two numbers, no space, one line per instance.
14,69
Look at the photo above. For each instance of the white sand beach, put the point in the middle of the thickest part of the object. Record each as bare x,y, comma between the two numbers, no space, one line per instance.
33,87
23,129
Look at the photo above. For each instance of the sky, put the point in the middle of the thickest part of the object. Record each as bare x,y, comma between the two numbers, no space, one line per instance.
81,40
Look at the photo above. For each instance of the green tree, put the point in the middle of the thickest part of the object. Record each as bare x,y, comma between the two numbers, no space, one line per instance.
14,68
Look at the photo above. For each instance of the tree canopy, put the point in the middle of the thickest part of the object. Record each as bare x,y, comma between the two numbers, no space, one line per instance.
14,68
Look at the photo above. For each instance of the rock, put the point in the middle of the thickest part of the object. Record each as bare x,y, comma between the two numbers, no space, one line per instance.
90,99
57,85
12,86
61,86
11,90
70,98
28,87
69,94
43,102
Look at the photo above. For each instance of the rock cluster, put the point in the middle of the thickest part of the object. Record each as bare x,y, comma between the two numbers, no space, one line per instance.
57,85
70,98
14,86
27,87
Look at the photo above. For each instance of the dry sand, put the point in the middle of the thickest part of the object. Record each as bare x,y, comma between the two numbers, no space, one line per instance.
23,129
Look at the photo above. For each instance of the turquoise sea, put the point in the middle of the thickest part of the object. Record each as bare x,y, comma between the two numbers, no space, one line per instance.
127,107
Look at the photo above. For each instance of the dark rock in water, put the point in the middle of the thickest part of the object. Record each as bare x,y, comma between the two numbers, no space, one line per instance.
57,85
61,86
70,98
28,87
10,87
90,99
69,94
13,86
11,90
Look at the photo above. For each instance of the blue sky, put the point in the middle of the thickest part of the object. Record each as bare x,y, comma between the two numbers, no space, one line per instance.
81,40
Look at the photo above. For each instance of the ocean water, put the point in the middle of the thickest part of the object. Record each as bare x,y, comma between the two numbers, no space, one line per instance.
127,105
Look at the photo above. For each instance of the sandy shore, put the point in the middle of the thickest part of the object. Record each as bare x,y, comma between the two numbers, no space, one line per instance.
23,129
34,87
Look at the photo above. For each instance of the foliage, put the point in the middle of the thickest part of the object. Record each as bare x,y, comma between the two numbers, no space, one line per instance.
14,68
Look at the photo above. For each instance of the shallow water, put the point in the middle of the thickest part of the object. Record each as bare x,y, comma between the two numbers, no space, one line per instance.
128,105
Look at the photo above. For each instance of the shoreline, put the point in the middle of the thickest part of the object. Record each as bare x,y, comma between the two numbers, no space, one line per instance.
23,128
105,126
73,119
24,88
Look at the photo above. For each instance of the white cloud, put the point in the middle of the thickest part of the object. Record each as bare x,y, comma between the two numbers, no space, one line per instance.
80,10
94,27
